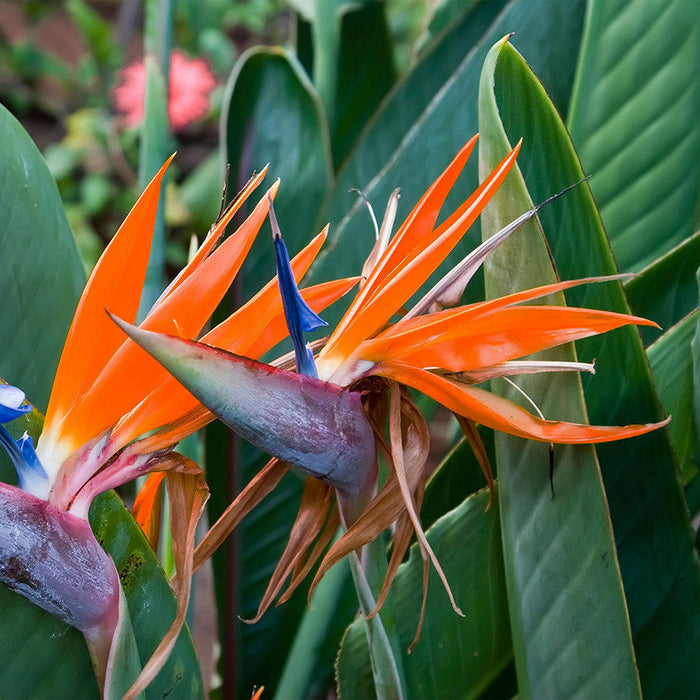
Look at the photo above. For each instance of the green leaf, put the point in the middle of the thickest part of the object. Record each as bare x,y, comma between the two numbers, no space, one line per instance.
671,363
149,597
457,477
634,121
571,634
430,115
42,274
40,656
365,74
650,521
455,657
272,115
666,291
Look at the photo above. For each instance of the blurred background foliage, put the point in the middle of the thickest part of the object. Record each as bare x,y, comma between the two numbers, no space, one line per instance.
60,61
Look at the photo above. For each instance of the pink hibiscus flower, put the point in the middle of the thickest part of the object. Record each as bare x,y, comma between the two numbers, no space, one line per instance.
191,82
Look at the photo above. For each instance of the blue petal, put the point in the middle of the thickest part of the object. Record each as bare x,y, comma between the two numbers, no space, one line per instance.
31,475
299,316
306,364
11,400
33,471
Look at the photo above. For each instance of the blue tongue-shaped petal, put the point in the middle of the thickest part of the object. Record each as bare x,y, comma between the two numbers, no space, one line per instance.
11,400
31,475
300,318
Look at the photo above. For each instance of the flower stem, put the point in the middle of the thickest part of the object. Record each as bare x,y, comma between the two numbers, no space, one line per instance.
316,622
384,647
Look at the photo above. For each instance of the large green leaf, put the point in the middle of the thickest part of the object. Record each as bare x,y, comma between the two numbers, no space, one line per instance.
365,74
272,115
666,291
42,275
671,363
455,657
650,521
571,633
41,657
634,120
149,597
432,113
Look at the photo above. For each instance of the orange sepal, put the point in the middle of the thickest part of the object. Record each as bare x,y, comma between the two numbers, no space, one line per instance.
131,374
418,223
116,282
391,293
217,230
460,342
147,508
501,414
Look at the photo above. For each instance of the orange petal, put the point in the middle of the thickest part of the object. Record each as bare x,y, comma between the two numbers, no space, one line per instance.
450,342
501,414
419,222
391,293
131,374
216,231
116,282
147,508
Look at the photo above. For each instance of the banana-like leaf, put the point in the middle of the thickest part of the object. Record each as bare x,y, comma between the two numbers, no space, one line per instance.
571,633
633,118
650,519
365,74
666,291
671,363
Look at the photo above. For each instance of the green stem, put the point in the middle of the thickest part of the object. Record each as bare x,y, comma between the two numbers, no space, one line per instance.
155,144
383,642
303,657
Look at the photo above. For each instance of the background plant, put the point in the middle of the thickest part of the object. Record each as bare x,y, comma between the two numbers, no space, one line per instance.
374,96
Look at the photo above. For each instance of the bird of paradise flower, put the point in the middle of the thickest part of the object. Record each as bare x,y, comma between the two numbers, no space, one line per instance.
114,414
330,420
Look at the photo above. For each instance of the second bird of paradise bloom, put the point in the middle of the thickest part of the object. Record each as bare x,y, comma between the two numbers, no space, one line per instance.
330,419
115,414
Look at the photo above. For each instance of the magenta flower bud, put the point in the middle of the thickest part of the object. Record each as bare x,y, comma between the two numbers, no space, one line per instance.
53,559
